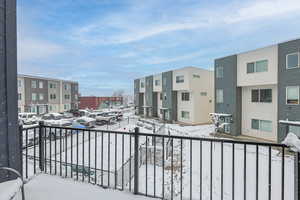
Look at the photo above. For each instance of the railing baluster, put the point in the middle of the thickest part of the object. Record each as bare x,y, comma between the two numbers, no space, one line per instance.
211,170
233,171
83,164
181,169
34,150
163,168
108,167
270,173
146,178
201,169
71,132
96,147
50,150
154,165
102,133
222,170
66,153
130,158
60,152
89,137
245,171
55,152
282,173
191,169
45,138
77,153
26,138
122,162
257,170
116,161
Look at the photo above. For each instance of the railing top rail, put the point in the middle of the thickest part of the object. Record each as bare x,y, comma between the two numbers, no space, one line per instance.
206,139
30,127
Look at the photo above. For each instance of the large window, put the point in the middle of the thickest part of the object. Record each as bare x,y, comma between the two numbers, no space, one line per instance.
67,96
19,96
179,79
219,72
41,84
52,96
33,84
258,66
142,84
33,97
41,96
292,95
157,82
185,96
52,85
261,95
185,115
261,125
220,97
292,60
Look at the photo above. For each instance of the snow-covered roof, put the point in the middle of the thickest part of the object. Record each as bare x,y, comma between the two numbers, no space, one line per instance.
221,114
296,123
87,119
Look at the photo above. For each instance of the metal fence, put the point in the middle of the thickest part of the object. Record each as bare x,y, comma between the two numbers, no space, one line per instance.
193,168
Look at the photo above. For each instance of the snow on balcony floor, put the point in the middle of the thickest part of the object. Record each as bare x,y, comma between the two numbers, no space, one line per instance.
49,187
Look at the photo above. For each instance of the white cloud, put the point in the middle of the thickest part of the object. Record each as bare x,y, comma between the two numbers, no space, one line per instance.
135,25
31,49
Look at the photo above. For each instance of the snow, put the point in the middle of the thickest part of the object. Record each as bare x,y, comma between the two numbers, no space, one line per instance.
87,119
292,141
297,123
48,187
11,189
220,114
192,131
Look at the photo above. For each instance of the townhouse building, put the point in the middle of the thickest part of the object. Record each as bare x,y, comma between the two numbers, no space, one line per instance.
183,95
258,88
42,95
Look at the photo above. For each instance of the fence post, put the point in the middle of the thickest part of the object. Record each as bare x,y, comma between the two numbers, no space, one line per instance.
297,176
41,145
136,160
21,146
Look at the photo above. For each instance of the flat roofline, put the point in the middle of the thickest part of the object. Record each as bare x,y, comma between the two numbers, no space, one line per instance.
44,78
248,51
177,69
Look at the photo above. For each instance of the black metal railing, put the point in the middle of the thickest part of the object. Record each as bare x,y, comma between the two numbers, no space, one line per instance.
162,166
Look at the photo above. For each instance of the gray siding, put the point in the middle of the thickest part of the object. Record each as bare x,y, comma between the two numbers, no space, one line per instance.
232,94
29,90
74,95
167,89
149,91
9,137
287,77
136,94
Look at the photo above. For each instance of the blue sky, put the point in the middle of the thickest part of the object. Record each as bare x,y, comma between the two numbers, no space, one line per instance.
106,44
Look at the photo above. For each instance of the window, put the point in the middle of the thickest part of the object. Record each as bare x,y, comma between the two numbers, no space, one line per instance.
41,97
33,84
220,97
66,106
32,109
261,125
161,96
185,96
258,66
179,79
196,76
76,97
50,108
261,95
67,96
255,95
66,87
19,96
219,72
52,96
52,85
33,96
185,115
41,84
142,84
165,96
292,60
292,95
157,82
19,83
203,94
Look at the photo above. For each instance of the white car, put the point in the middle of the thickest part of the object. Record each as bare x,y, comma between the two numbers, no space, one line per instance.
86,121
28,118
56,119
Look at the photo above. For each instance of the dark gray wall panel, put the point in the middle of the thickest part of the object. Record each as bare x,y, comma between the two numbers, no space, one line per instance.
167,87
149,91
9,136
232,94
287,77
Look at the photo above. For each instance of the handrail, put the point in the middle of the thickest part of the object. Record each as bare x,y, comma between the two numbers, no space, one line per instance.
18,175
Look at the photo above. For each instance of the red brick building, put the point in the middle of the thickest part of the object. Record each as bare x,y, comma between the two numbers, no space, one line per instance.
94,103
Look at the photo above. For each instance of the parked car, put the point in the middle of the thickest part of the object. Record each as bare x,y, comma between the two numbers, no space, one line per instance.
28,118
105,118
84,113
67,115
86,121
52,116
56,119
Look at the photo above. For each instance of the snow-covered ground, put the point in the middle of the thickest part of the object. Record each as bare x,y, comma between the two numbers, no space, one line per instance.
112,146
46,187
10,189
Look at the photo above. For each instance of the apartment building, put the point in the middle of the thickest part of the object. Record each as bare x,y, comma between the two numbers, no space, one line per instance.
42,95
95,103
184,95
258,88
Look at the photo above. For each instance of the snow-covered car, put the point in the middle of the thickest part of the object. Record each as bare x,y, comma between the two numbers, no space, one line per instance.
104,118
84,113
56,119
28,118
86,121
67,115
52,116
